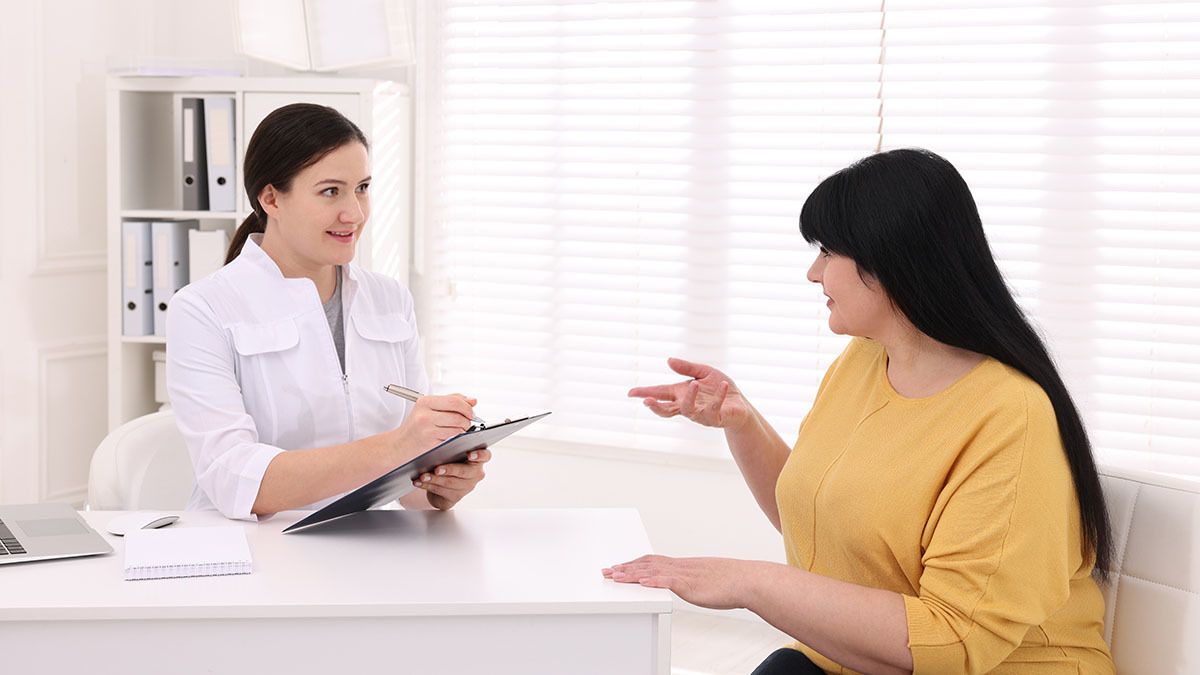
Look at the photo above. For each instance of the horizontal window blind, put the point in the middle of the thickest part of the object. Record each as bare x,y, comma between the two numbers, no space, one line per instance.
1075,123
604,185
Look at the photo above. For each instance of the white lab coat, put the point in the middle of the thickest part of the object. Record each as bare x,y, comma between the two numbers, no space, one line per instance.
252,371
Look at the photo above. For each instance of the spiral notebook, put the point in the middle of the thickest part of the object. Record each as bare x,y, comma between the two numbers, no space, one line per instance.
186,552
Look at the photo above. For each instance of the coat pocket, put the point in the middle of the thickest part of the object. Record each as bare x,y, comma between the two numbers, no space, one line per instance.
384,327
250,339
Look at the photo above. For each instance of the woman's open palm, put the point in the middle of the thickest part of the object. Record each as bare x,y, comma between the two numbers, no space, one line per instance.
709,398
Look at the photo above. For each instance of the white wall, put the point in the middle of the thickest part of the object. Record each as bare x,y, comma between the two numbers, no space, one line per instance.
53,60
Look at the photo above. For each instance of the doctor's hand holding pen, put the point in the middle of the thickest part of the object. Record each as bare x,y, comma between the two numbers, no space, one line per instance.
433,420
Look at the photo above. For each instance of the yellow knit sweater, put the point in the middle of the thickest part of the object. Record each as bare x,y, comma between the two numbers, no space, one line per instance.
962,502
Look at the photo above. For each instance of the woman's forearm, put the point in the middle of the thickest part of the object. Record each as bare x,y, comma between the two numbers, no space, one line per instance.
862,628
760,454
300,477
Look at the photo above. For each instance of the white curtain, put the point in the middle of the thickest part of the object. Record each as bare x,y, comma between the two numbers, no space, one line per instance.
604,185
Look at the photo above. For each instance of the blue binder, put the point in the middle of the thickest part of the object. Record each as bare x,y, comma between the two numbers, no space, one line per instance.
137,290
170,255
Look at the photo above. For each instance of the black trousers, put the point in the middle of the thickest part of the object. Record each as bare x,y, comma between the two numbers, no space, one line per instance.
787,662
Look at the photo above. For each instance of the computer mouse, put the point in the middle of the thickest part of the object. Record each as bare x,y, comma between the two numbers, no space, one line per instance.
139,520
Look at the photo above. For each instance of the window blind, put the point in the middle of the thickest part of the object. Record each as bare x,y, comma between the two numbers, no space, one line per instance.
604,185
1075,125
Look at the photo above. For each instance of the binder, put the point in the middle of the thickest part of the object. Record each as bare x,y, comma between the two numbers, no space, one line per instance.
218,137
195,161
170,267
137,290
206,252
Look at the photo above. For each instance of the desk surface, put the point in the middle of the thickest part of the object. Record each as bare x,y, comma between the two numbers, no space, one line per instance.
379,563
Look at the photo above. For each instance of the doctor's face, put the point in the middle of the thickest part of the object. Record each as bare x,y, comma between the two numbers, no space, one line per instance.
323,215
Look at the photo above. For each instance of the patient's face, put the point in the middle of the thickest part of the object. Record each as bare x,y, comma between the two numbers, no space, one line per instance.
323,215
856,307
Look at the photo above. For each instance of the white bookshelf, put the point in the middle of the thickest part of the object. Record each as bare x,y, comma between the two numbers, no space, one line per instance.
144,172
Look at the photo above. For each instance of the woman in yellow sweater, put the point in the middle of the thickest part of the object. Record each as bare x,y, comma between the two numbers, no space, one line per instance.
940,509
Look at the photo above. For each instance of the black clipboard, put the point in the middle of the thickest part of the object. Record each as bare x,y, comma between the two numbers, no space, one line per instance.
399,481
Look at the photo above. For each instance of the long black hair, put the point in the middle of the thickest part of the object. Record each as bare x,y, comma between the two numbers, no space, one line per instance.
907,218
287,141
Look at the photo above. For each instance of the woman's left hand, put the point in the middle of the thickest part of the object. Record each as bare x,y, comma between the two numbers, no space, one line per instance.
449,483
716,583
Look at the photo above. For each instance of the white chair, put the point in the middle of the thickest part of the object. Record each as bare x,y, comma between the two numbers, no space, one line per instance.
1152,621
142,464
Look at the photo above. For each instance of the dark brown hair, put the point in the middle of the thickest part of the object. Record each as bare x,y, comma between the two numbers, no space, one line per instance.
287,141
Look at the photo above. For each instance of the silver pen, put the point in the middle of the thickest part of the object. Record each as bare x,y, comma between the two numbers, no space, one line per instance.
413,395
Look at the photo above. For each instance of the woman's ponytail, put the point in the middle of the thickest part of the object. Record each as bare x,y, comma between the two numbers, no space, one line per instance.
253,224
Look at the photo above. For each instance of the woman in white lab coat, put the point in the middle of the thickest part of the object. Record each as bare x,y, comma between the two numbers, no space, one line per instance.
276,363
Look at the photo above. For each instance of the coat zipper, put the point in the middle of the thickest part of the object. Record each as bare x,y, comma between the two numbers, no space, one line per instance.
349,409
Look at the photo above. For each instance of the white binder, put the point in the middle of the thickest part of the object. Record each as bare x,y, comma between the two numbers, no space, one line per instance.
218,123
137,291
206,252
170,257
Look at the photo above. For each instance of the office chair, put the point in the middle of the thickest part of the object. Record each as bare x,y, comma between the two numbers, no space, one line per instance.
142,464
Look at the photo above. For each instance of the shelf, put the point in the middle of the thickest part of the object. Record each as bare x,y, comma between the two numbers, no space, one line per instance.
144,340
164,214
234,85
143,125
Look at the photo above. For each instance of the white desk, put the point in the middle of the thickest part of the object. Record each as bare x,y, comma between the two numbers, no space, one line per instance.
487,591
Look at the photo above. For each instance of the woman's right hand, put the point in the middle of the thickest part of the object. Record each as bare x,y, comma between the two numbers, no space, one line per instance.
434,419
709,398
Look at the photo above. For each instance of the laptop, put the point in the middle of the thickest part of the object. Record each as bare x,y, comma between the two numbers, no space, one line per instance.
31,532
